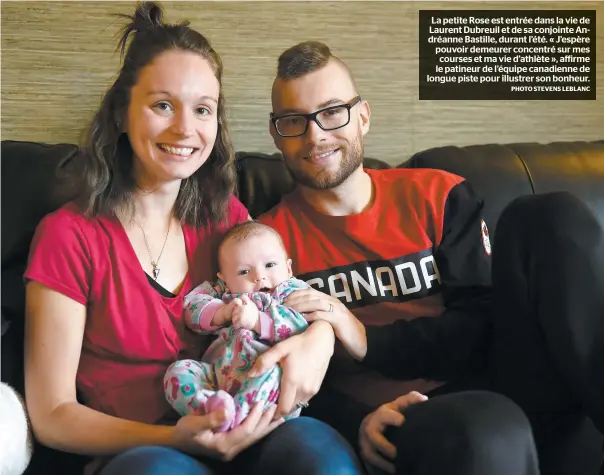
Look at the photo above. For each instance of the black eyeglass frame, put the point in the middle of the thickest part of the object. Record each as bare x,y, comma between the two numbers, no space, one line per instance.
313,116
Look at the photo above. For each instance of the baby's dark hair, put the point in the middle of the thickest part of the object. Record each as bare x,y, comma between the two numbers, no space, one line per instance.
242,231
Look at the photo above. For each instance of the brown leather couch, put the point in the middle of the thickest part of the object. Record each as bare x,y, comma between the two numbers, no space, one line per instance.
500,172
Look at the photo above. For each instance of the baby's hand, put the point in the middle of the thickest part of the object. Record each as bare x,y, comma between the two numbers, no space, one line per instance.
245,313
224,314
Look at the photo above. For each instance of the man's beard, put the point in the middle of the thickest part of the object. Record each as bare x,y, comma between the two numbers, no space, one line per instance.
352,159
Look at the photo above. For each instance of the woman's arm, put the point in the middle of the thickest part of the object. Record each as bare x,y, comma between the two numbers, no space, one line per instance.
304,359
53,342
319,306
54,332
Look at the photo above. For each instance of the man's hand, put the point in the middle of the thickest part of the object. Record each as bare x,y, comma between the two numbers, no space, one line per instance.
375,448
304,359
245,314
316,305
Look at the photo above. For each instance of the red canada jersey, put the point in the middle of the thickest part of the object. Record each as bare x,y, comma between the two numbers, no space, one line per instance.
382,263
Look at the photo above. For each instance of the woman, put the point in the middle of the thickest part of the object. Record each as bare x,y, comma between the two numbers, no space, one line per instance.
108,272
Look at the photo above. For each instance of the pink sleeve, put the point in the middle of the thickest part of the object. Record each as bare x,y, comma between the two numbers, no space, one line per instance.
59,256
200,306
267,327
207,315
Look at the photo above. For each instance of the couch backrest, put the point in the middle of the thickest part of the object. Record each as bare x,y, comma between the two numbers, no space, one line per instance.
28,184
501,173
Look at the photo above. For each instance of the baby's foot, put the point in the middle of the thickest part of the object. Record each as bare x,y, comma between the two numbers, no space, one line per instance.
222,400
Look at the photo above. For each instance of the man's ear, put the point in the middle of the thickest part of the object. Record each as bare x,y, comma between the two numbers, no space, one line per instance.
289,267
276,137
364,116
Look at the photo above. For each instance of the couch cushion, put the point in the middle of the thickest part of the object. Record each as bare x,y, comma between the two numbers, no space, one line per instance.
262,180
577,167
502,172
495,172
28,178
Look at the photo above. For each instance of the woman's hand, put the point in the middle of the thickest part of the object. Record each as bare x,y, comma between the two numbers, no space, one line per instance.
195,434
304,359
316,305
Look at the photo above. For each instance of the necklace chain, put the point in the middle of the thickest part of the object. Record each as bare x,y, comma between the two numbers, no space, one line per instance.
154,263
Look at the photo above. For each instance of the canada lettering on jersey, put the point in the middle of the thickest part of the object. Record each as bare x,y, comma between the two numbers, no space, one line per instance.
369,282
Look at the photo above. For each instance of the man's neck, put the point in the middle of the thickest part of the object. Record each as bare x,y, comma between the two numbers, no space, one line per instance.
353,196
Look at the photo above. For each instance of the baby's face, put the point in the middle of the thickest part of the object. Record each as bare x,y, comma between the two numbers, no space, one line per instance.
257,263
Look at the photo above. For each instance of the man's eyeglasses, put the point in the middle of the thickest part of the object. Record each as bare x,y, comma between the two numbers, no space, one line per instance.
330,118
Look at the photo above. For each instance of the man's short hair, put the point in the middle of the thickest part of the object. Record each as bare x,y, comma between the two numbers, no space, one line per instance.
306,57
302,59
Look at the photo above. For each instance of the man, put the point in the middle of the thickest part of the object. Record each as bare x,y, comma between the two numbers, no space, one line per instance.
402,263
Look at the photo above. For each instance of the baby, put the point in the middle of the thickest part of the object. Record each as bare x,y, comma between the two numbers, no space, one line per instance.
245,309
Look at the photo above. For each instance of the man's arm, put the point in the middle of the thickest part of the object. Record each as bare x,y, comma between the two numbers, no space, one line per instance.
453,344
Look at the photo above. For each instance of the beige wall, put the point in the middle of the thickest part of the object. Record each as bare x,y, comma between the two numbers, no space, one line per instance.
57,60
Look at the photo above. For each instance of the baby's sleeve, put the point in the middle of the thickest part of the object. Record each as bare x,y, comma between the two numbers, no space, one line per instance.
282,321
201,304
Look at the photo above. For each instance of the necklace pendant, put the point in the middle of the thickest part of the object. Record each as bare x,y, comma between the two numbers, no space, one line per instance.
155,272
